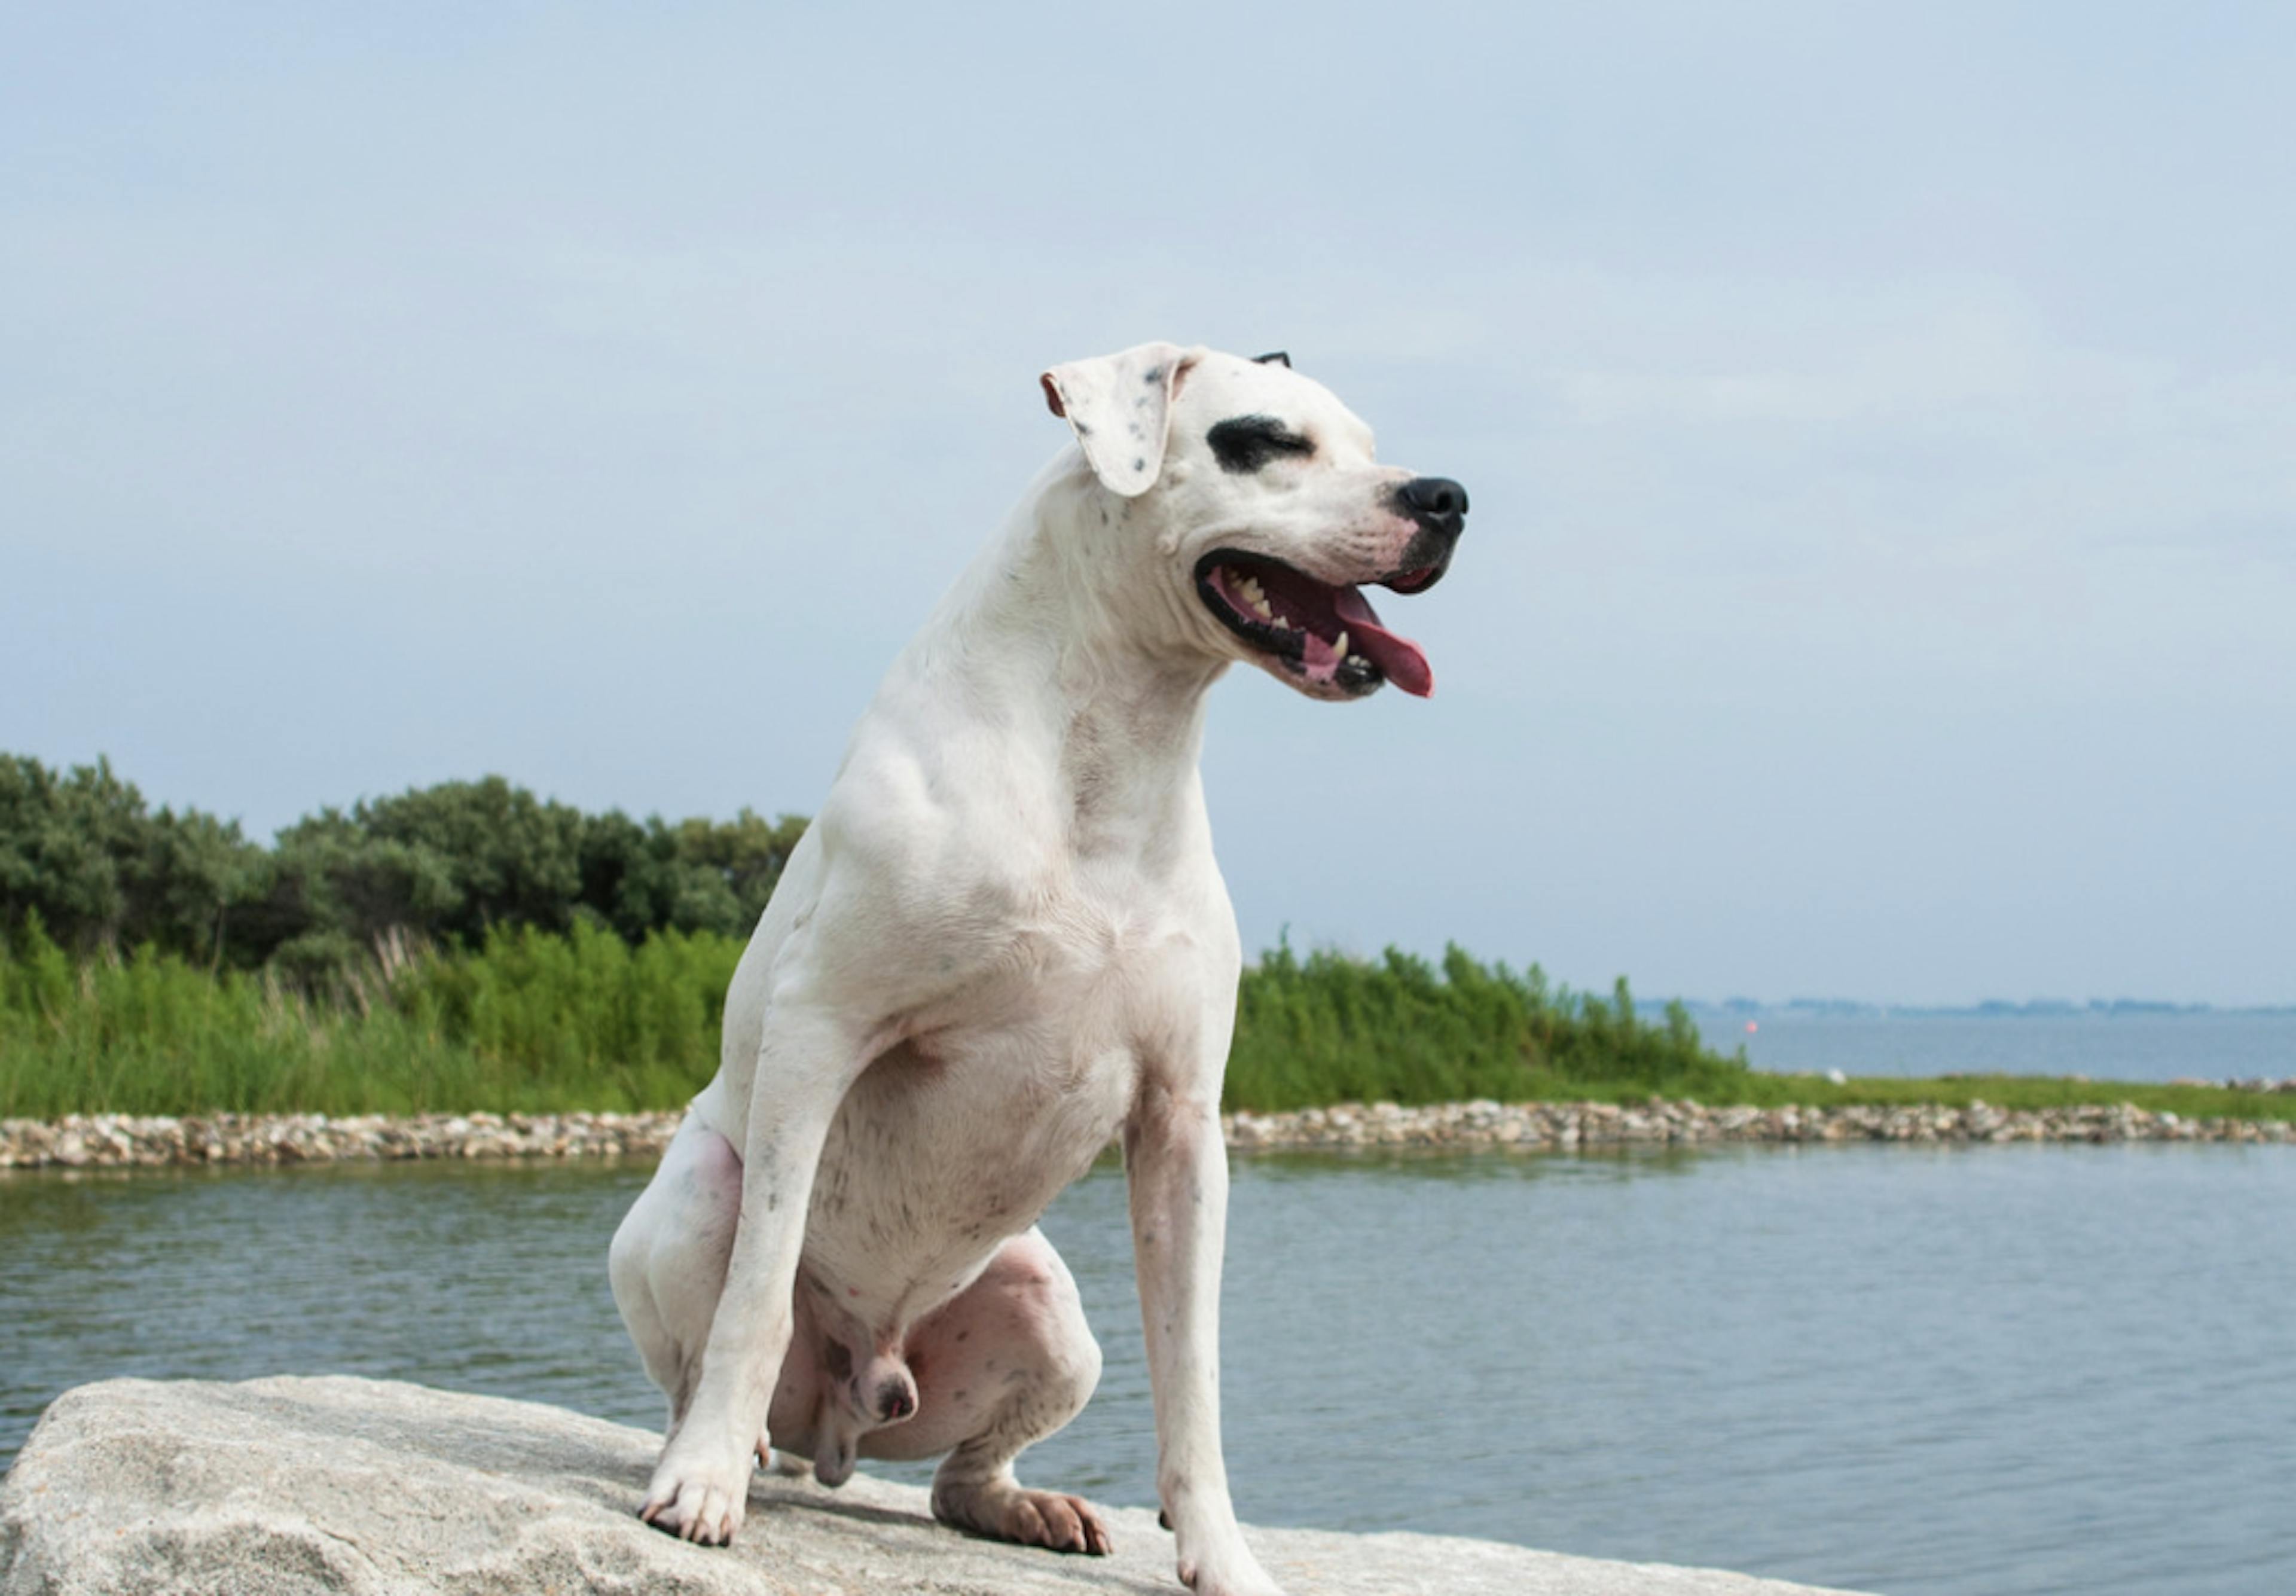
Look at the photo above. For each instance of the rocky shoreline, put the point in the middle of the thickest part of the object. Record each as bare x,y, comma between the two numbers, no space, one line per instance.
159,1141
1563,1126
129,1141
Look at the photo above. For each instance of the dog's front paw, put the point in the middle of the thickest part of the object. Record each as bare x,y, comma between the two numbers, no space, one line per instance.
696,1500
1226,1570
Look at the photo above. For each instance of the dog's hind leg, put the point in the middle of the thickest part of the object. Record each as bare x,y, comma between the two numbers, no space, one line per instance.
669,1258
999,1367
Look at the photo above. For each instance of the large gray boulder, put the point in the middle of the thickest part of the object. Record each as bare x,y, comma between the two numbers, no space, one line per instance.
334,1485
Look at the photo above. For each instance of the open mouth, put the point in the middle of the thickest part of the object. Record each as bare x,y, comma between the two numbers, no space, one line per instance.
1324,633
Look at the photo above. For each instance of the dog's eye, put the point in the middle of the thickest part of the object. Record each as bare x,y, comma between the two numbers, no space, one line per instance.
1247,442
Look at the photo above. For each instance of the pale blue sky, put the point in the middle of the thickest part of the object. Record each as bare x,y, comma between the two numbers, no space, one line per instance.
1882,426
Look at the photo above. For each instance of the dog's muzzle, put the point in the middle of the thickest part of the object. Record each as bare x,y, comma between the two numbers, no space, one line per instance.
1438,506
1327,633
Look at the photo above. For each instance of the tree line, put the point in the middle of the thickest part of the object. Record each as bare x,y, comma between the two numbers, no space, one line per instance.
84,856
470,945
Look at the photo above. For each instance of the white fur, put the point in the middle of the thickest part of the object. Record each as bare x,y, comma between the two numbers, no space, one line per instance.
1003,943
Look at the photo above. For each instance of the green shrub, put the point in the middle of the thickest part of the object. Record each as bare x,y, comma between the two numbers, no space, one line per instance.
451,864
529,1022
1328,1028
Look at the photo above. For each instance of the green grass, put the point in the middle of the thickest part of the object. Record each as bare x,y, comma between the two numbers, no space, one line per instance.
532,1023
536,1022
1330,1029
2011,1092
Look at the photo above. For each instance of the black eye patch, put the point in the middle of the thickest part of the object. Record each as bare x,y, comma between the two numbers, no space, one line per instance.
1244,443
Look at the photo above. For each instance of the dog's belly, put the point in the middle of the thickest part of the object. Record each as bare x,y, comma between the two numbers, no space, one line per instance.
940,1156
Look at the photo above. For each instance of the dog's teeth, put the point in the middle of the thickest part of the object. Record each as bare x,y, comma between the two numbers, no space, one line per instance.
1282,625
1267,610
1339,647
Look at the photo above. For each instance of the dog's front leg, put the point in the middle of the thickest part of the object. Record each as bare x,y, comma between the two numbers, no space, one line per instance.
1176,1165
806,1062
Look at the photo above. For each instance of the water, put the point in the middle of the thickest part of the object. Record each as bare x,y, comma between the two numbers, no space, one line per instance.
2104,1046
1909,1371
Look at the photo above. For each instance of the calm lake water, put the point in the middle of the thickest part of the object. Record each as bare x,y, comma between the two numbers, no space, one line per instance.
2126,1047
1980,1371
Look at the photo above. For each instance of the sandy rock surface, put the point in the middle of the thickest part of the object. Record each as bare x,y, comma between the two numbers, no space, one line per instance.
290,1485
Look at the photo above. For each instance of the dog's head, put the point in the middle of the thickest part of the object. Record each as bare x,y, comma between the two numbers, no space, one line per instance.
1269,511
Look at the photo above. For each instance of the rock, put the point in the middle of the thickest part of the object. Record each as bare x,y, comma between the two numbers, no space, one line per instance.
282,1487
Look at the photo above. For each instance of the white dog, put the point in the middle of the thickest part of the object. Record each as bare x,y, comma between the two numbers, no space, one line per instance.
1001,943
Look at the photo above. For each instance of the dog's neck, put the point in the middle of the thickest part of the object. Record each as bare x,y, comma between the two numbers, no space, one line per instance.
1093,652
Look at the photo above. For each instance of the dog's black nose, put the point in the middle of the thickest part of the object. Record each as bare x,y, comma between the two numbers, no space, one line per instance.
1434,500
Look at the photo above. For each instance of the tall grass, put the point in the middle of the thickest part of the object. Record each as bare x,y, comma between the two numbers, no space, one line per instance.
530,1022
1328,1028
537,1023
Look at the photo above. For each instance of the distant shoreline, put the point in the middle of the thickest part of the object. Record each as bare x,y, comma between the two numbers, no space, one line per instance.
224,1140
1992,1008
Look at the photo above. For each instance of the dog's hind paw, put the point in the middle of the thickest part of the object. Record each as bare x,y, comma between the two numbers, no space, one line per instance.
1002,1511
1064,1523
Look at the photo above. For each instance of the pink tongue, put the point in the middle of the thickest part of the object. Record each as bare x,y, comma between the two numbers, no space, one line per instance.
1398,658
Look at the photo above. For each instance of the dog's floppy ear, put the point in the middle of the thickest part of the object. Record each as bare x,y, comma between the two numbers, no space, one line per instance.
1120,406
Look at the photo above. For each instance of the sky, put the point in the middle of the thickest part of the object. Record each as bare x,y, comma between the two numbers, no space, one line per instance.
1881,423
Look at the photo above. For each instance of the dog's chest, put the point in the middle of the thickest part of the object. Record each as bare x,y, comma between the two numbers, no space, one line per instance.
949,1143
